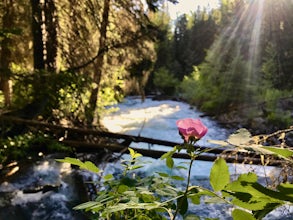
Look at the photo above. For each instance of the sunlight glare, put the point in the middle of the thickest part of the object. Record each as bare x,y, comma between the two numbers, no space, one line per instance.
188,6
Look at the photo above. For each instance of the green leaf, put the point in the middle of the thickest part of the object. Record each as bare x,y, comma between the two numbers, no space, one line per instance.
248,177
281,152
108,177
169,162
239,214
191,217
169,153
122,188
219,142
134,154
178,178
181,167
249,194
182,204
88,165
240,137
135,167
86,205
260,214
163,174
195,198
286,188
214,200
219,176
70,160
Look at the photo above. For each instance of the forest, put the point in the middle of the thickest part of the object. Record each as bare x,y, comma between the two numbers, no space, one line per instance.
70,59
65,64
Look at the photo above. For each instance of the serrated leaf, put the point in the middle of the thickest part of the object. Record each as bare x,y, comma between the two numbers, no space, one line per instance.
219,176
88,165
133,153
239,214
240,137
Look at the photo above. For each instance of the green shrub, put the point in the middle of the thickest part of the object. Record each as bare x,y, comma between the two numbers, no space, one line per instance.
165,82
130,196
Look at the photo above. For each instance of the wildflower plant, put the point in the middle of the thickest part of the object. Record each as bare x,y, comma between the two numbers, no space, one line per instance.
133,196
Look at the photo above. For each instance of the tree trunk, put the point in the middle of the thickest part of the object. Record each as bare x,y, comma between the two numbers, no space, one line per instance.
38,44
6,59
92,106
51,23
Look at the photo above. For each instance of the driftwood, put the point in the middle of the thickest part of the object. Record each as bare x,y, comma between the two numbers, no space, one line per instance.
91,142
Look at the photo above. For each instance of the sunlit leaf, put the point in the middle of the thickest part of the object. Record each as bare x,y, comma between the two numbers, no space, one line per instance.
122,188
219,142
169,162
134,154
169,153
239,214
219,176
215,200
281,152
88,165
240,137
249,194
286,188
108,177
70,160
195,198
260,214
86,205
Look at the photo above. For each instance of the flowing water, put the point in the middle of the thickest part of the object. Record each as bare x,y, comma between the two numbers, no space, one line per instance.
45,189
154,119
157,119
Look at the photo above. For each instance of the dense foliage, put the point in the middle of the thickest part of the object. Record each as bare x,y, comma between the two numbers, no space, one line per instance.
165,195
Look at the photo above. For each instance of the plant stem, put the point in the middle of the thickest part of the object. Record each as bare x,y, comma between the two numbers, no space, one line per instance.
186,189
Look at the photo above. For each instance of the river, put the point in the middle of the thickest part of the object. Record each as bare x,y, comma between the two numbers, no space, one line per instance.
154,119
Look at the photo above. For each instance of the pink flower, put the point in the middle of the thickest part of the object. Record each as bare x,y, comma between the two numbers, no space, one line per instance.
191,128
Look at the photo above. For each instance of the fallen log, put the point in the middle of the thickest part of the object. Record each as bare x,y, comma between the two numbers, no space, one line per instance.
83,146
100,133
91,147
